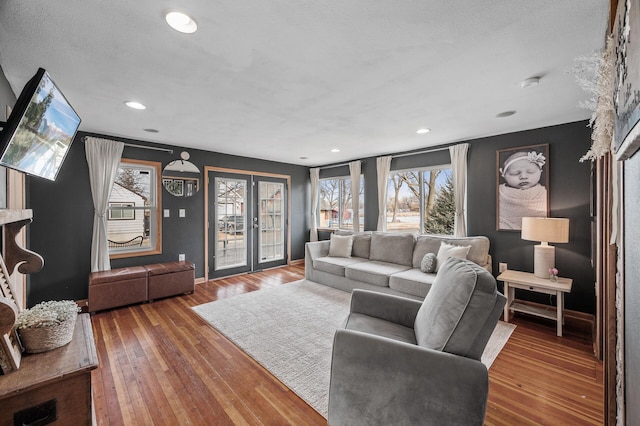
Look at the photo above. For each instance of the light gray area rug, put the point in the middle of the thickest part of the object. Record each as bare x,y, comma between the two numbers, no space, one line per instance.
289,330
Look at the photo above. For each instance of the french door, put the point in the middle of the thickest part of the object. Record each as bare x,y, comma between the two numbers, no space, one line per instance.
248,229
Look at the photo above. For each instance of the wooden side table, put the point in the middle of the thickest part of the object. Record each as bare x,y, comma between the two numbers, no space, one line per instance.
52,386
529,282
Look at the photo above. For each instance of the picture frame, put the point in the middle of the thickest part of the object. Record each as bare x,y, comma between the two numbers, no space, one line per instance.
520,191
626,85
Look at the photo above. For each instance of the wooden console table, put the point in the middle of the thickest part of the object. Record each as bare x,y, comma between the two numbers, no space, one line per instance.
53,386
528,281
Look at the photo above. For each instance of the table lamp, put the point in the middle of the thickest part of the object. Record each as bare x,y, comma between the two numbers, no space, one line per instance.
546,230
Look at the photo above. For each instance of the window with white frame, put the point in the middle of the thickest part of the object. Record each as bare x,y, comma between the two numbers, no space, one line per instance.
421,200
334,203
121,213
133,227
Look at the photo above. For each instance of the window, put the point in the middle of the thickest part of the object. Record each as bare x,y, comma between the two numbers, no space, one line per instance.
121,214
133,227
421,201
335,203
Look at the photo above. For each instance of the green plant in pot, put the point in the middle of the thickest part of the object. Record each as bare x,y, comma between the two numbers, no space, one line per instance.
47,325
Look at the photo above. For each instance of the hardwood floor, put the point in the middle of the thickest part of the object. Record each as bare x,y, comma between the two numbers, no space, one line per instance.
160,364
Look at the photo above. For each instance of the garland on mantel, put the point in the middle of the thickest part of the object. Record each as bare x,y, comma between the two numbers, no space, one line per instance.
595,75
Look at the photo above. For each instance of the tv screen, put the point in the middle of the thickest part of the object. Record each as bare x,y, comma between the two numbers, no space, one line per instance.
40,129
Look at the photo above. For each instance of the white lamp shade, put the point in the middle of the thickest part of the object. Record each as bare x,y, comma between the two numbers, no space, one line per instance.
545,229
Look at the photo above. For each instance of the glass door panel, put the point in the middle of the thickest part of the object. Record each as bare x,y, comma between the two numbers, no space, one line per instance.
271,222
231,238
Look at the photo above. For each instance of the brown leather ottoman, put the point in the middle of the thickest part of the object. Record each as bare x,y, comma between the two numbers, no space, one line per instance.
170,278
117,287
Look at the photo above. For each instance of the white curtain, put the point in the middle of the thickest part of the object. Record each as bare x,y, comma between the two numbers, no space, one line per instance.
459,167
354,171
103,158
315,187
383,165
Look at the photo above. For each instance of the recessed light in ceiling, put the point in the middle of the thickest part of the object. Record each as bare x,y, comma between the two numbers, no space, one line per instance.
135,105
530,82
335,150
181,22
505,114
303,158
152,130
423,131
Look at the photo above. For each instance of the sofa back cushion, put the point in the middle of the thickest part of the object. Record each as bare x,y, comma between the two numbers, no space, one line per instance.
478,253
461,305
393,248
361,242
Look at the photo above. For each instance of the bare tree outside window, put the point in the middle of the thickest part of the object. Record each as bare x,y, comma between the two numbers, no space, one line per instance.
335,203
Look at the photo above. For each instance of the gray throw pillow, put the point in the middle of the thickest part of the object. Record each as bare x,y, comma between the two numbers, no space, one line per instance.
428,264
340,246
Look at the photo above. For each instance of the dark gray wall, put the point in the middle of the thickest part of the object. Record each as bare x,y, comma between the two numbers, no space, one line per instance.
569,196
63,218
569,189
61,230
631,288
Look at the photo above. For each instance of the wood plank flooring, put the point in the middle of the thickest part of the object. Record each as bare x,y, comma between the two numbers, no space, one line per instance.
160,364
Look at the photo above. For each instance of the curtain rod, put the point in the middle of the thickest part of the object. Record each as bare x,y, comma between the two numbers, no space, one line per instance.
337,165
406,154
132,145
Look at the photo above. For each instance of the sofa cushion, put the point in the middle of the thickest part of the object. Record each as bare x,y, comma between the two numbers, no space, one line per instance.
361,242
456,309
449,250
362,245
373,272
412,281
340,246
392,248
335,265
380,327
478,253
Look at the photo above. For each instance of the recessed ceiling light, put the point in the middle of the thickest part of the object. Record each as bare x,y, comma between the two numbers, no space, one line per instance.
530,82
181,22
335,150
423,131
505,114
135,105
152,130
303,158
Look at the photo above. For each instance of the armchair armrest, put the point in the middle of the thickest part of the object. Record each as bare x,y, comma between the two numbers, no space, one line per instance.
380,381
396,309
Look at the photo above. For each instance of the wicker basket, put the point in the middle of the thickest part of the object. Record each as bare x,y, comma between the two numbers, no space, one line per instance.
46,338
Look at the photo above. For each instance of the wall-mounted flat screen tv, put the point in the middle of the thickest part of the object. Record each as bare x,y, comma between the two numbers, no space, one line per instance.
40,129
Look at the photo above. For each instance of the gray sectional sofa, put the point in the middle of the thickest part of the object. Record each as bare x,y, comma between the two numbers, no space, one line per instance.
386,262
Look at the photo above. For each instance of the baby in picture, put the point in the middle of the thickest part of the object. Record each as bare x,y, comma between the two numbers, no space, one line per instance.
521,195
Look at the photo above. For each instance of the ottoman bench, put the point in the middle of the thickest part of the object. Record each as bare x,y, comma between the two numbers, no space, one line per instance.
170,278
117,287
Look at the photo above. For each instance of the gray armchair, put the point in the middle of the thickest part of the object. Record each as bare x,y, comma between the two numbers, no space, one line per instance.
404,362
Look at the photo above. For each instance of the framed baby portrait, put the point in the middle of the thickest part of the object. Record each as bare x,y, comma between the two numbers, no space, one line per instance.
522,179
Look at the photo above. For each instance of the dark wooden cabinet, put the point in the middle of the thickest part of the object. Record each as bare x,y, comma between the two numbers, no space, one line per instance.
54,384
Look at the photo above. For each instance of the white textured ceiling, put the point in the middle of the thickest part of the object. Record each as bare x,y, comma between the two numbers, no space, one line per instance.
283,79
